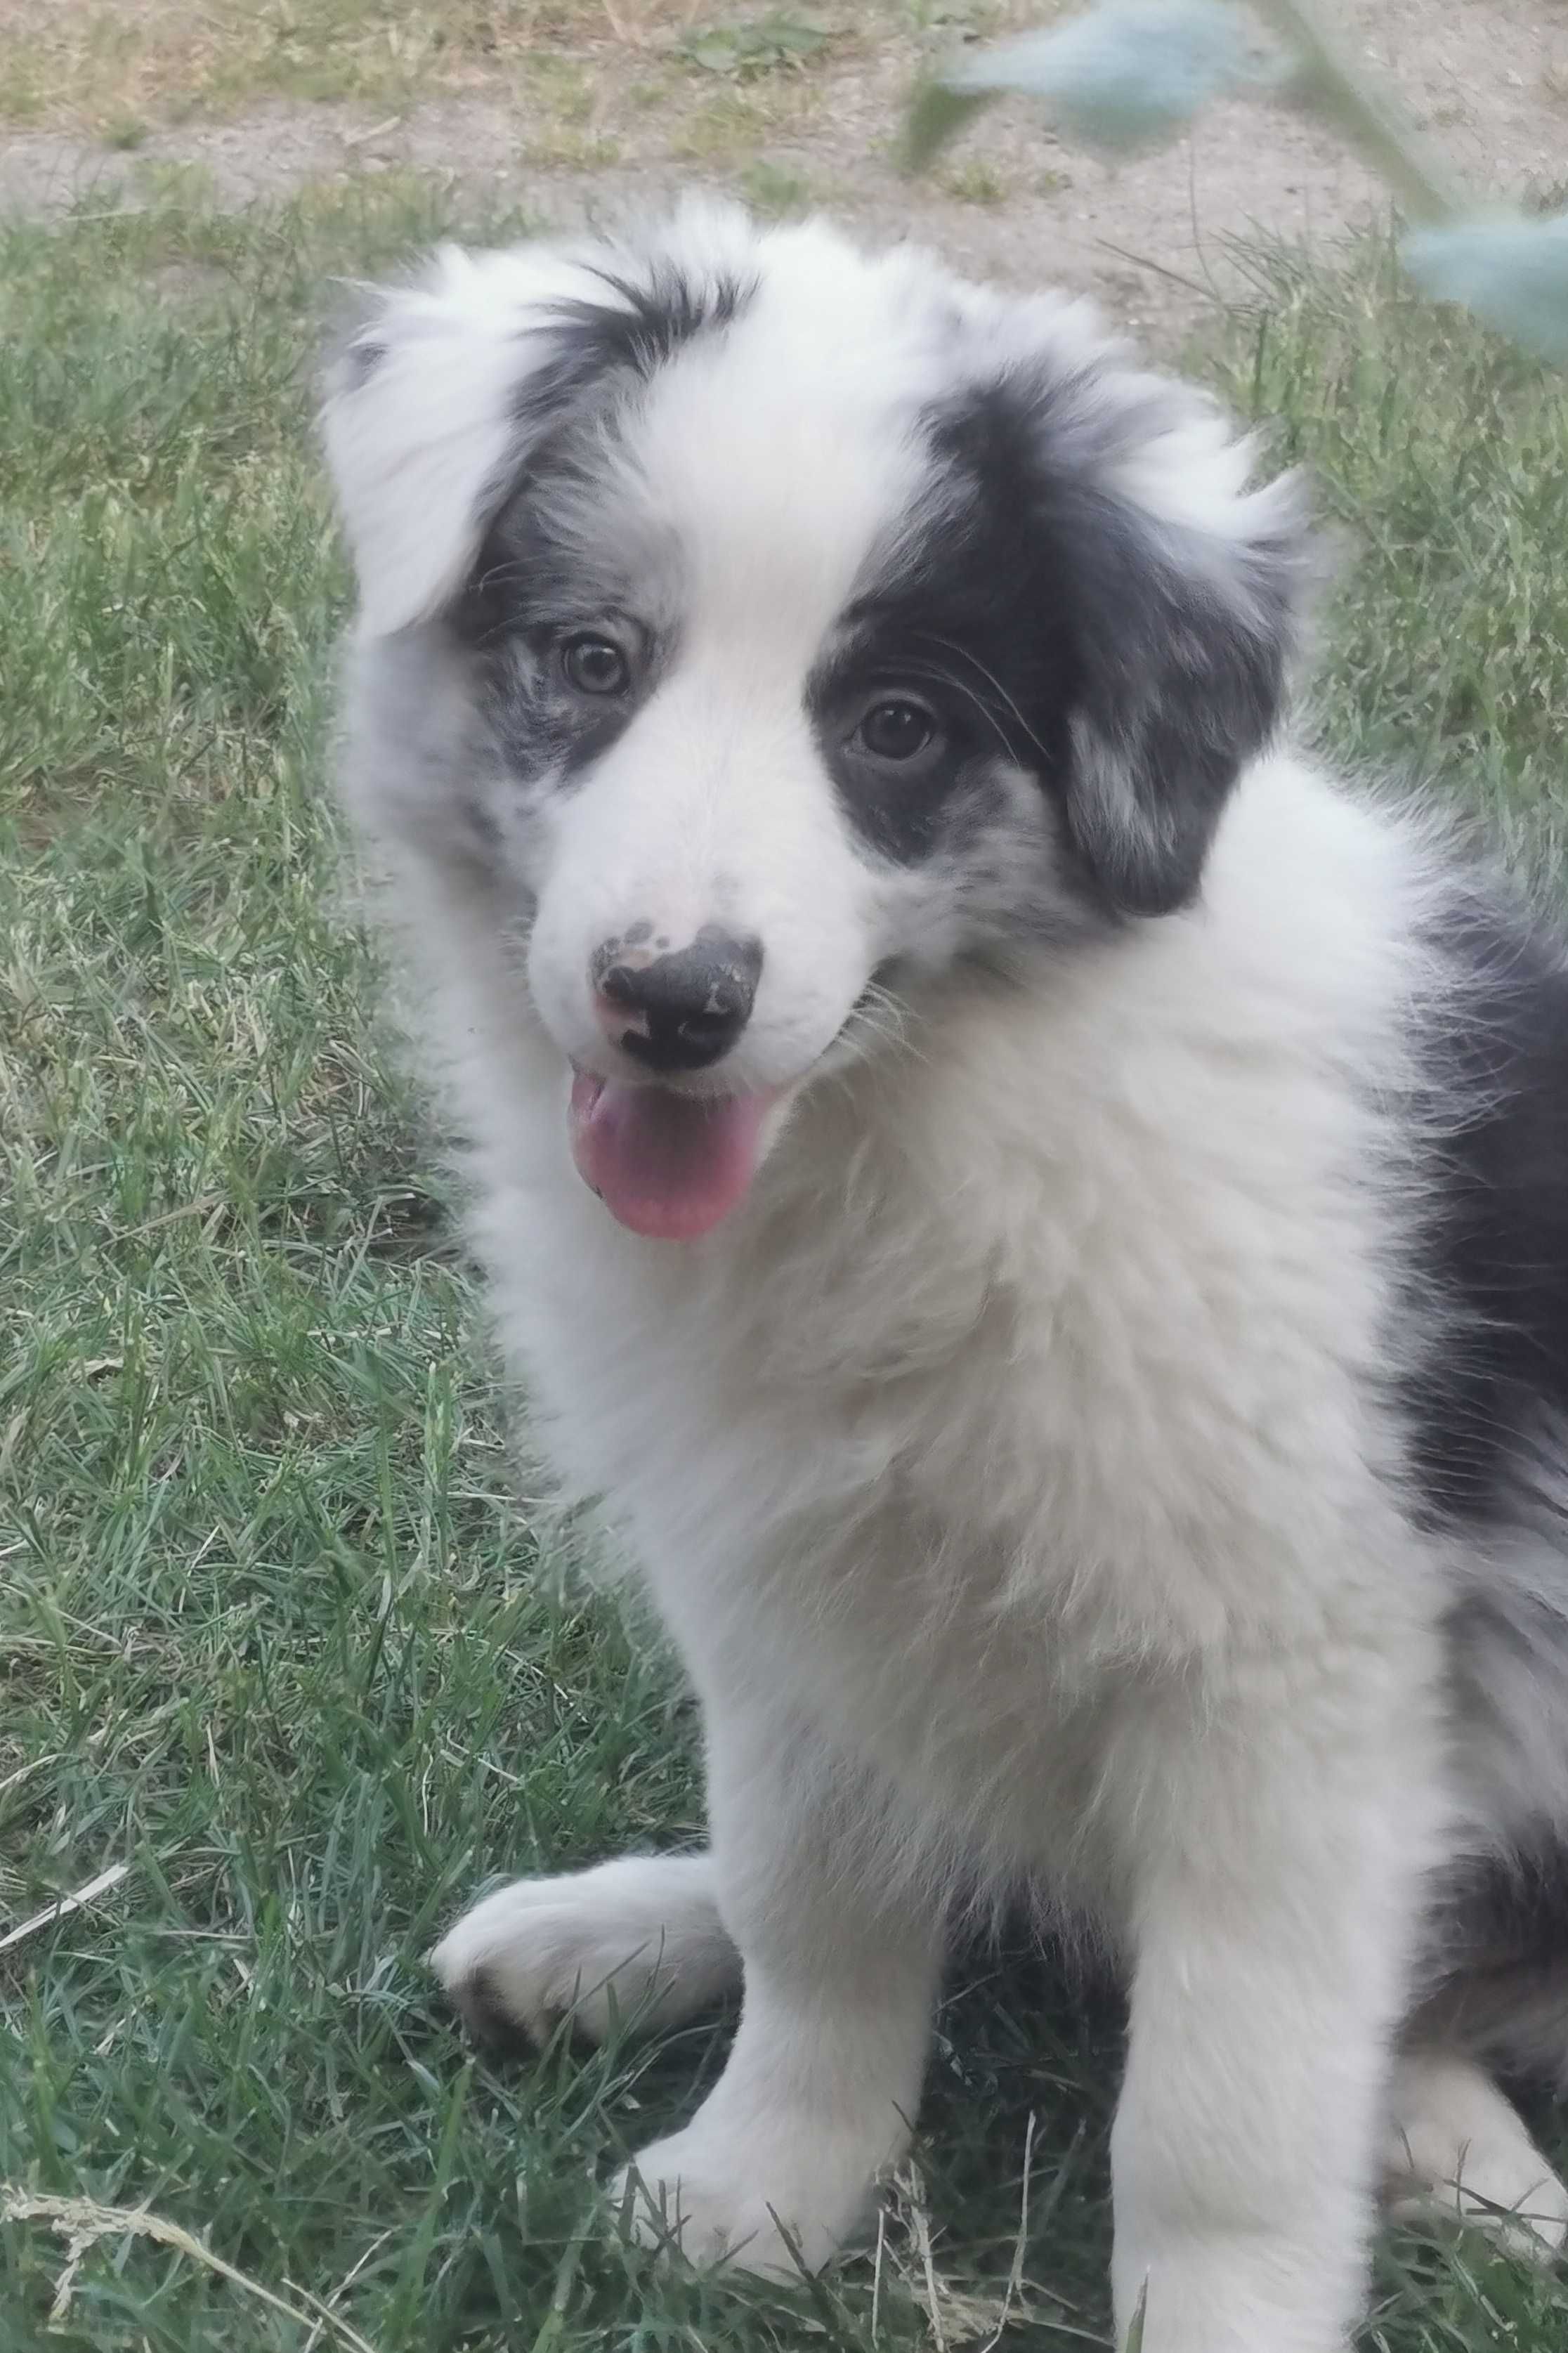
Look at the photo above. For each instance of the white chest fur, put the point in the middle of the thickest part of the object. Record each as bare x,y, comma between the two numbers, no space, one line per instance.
1041,1363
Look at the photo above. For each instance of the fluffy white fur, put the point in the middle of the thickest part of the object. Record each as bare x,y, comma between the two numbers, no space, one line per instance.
1015,1470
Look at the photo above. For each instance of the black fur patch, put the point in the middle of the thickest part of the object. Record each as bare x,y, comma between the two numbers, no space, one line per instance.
527,581
1496,1245
1071,624
964,614
520,569
667,311
485,2016
1181,679
1493,1976
539,728
636,332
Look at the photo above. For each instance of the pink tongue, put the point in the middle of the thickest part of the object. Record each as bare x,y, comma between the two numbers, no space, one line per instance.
670,1166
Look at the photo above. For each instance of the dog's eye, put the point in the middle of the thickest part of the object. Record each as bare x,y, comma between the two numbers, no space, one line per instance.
896,730
594,666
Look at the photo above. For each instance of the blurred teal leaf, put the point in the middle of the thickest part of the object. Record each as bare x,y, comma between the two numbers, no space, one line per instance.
1513,272
1327,77
1128,73
1131,72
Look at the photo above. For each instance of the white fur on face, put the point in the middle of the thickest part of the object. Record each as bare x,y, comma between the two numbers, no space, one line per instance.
771,476
713,809
738,506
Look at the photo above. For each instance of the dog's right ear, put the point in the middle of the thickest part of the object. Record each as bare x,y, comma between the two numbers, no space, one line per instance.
433,404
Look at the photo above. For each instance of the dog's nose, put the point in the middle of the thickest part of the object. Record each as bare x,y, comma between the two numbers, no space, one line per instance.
680,1010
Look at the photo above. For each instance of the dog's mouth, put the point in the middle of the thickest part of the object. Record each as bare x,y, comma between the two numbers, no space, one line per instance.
672,1166
669,1166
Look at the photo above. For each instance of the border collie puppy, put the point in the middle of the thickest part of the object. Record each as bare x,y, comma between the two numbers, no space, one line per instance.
1042,1215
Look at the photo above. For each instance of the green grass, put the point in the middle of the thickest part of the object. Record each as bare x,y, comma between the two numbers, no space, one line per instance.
272,1633
1441,462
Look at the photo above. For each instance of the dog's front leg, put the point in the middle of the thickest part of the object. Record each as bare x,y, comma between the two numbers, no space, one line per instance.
1278,1832
777,2167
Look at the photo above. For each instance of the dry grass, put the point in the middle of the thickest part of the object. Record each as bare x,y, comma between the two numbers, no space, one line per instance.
96,63
115,68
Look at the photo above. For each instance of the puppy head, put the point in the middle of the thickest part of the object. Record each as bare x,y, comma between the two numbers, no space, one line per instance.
754,623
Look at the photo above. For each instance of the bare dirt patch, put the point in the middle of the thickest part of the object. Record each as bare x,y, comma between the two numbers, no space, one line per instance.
585,106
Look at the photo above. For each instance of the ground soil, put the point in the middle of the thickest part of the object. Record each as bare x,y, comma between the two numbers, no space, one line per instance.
1487,78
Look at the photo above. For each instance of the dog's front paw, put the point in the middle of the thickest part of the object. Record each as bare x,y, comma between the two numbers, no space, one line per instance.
1501,2186
637,1941
1458,2149
772,2202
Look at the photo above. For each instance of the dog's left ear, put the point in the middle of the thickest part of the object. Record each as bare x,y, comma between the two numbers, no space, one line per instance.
1182,595
433,405
416,427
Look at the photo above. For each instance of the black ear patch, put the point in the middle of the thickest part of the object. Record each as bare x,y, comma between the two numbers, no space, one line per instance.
640,326
1182,643
591,350
1148,656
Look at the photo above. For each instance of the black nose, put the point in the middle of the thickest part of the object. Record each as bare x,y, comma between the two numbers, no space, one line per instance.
682,1011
